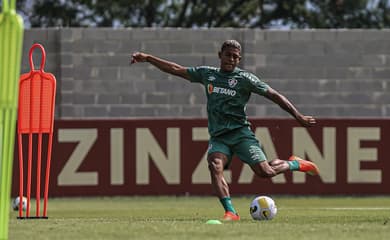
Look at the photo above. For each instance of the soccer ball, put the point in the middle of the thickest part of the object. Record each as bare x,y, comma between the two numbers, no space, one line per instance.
16,201
263,208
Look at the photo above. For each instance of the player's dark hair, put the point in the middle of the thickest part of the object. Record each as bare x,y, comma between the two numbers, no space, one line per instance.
231,43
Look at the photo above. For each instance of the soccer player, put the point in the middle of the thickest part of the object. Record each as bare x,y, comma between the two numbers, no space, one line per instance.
228,89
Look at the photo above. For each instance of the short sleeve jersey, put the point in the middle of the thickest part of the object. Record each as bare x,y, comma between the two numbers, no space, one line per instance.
227,96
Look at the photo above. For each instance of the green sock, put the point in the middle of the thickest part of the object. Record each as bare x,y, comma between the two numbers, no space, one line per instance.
294,165
227,204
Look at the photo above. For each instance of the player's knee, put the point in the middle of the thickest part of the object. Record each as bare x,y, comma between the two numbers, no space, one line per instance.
215,165
275,162
263,170
216,162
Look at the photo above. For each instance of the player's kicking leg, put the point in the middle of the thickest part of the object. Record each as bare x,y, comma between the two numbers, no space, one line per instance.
270,169
294,163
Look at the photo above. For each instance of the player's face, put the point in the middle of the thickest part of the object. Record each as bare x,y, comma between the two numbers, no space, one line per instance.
230,57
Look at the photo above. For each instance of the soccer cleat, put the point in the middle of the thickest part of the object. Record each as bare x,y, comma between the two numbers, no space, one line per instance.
229,216
306,166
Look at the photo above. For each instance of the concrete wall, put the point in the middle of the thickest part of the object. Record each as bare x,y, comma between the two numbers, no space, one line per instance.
326,73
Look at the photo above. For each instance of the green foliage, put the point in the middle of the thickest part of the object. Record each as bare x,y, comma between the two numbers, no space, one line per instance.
209,13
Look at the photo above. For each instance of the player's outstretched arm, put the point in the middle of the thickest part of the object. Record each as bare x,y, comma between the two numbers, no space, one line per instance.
284,103
163,65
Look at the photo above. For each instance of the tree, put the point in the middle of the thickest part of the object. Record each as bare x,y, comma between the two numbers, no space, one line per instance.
210,13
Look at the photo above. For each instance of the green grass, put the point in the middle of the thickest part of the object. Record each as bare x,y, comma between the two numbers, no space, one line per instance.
184,218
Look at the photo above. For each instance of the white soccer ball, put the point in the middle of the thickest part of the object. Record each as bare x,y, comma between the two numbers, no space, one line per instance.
263,208
16,201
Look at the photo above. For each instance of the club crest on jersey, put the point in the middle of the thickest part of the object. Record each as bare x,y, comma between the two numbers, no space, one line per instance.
211,78
232,82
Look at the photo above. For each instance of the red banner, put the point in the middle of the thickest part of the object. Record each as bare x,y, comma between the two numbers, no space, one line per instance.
168,157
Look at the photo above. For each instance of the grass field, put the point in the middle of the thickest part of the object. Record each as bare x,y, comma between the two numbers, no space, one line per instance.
313,218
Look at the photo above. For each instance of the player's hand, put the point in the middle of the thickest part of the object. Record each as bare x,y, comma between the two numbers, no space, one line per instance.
307,121
138,57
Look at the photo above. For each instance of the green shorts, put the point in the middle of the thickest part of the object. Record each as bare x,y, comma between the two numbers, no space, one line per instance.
240,142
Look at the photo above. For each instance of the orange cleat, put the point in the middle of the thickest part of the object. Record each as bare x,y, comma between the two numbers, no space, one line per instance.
306,166
229,216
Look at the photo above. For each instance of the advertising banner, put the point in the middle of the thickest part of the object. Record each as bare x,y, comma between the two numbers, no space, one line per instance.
168,157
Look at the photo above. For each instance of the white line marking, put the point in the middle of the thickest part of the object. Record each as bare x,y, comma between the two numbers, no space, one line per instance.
338,208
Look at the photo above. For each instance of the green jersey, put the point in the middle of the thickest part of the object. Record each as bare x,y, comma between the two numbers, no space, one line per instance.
227,96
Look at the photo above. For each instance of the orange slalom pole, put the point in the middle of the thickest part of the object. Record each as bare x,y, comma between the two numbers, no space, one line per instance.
38,192
29,166
20,175
47,174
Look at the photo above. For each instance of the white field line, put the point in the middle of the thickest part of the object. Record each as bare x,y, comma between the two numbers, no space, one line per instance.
337,208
